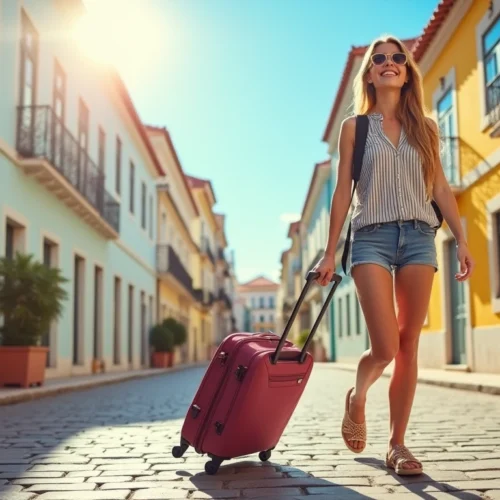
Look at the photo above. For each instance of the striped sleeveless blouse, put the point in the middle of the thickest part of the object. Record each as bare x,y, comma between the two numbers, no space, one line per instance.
391,186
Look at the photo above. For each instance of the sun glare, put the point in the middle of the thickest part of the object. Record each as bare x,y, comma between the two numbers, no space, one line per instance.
123,34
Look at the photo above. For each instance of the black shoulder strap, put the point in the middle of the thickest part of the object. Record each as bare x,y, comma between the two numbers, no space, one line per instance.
357,163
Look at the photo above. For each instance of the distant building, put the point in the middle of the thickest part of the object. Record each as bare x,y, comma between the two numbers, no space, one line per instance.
259,299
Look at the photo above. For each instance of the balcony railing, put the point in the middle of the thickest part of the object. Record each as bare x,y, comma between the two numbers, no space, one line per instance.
203,296
41,134
493,105
167,261
223,296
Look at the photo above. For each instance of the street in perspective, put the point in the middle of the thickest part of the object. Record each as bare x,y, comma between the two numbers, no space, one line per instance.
173,179
114,443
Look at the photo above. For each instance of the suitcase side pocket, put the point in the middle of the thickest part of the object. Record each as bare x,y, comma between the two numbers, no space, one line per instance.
285,380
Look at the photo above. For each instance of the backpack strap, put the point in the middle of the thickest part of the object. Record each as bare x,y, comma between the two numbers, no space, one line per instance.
359,151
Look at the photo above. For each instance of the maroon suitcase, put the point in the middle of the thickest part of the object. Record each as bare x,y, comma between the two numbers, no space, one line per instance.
249,392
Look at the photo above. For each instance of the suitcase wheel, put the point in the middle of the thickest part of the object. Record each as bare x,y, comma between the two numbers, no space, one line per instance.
265,455
178,451
212,466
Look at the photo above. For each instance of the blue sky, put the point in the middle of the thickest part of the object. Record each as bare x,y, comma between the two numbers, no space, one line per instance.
245,88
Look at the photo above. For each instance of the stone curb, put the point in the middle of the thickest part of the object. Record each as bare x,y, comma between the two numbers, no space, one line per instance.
465,386
42,392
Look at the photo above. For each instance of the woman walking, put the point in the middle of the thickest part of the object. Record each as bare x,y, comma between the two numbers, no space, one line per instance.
394,227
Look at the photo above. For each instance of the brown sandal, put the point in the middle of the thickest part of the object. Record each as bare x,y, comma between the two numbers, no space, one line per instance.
398,457
351,431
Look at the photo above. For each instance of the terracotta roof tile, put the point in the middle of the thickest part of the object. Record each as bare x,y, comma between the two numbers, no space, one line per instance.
437,19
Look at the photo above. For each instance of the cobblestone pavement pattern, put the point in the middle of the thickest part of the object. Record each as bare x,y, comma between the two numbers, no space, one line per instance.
114,443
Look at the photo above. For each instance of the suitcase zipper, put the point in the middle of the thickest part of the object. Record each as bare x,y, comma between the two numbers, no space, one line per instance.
287,378
235,395
203,428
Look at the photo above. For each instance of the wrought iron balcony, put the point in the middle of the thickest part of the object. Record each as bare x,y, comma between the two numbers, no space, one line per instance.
493,106
167,261
55,159
204,297
223,297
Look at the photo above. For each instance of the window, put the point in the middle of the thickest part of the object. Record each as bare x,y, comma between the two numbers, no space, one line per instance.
340,315
14,238
117,321
262,318
83,139
491,55
29,64
132,187
50,259
9,241
83,125
446,123
271,318
102,149
358,317
348,313
78,309
98,312
151,216
262,303
143,205
493,235
59,103
271,302
118,166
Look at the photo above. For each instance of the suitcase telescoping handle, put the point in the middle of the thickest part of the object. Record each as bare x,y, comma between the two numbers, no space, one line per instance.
311,276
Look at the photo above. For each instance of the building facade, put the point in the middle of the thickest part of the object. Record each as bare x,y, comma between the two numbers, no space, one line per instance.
458,54
204,267
78,189
176,248
314,225
259,297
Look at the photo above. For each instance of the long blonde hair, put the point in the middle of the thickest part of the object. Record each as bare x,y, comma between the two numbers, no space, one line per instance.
411,112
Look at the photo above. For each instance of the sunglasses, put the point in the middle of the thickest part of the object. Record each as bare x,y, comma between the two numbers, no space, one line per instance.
398,58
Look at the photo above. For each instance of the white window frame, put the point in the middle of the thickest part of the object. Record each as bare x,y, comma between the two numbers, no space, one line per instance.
449,83
481,28
492,209
21,224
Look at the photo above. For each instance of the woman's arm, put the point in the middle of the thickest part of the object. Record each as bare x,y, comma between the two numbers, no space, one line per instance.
342,195
340,201
447,203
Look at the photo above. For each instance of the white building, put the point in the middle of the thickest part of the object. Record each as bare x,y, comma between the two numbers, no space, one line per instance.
259,297
77,187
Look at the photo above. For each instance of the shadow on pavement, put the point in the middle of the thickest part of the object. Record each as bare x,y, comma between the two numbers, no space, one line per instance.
127,430
418,484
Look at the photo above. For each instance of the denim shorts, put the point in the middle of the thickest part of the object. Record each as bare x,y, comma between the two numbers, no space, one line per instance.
393,245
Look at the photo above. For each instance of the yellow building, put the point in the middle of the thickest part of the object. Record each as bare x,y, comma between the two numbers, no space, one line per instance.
459,55
203,267
176,249
224,324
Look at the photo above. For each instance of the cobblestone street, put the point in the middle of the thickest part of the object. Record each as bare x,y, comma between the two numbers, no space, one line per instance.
114,443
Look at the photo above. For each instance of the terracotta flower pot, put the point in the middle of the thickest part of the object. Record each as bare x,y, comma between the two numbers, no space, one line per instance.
22,365
162,359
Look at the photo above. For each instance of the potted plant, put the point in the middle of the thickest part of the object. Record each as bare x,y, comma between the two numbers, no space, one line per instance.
178,330
162,341
31,297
